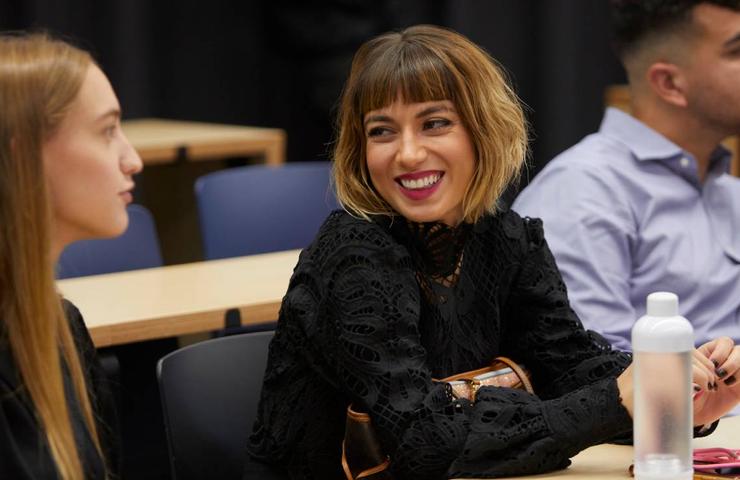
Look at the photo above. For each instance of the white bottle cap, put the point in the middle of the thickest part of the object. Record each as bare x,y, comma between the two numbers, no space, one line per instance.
662,304
662,329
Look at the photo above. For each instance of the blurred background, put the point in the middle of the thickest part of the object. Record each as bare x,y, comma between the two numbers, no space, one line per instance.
282,63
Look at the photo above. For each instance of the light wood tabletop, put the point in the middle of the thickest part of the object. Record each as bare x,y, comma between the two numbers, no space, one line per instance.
161,141
180,299
611,462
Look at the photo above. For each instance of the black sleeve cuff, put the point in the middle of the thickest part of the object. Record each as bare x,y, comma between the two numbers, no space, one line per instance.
705,430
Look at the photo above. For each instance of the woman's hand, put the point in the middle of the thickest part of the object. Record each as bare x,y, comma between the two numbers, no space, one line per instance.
626,387
716,389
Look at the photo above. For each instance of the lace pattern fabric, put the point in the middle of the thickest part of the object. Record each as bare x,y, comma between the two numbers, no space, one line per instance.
375,310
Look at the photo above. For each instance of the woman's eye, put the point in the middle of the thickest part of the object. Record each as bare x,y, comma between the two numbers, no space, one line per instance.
436,123
110,131
378,132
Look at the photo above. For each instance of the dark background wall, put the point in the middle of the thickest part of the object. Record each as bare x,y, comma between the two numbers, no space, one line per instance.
281,63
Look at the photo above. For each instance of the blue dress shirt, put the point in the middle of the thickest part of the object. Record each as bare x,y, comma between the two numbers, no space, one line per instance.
626,215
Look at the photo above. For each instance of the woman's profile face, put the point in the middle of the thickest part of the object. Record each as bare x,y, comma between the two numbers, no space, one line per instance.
89,165
421,159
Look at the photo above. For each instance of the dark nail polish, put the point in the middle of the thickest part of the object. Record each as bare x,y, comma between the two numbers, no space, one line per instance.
714,386
721,372
716,363
731,380
697,388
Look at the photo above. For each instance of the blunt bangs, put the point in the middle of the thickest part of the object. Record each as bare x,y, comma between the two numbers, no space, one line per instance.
409,70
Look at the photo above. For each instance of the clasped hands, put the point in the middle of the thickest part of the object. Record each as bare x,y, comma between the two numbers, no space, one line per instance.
716,368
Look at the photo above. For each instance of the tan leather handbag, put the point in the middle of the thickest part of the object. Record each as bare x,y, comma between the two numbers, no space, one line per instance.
362,455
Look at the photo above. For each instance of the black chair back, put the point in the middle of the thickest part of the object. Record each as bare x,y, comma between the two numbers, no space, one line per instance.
210,392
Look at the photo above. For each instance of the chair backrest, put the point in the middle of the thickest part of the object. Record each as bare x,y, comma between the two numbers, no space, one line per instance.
137,248
260,208
210,392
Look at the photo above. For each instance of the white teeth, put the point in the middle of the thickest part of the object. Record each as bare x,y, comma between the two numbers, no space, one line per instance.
420,182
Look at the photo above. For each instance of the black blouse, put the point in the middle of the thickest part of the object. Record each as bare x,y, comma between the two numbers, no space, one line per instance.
375,310
24,451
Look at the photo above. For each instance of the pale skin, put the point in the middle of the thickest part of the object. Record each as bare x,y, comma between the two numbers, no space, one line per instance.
89,164
421,159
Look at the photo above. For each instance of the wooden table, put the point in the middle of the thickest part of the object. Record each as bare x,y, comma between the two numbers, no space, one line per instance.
161,141
180,299
610,462
175,153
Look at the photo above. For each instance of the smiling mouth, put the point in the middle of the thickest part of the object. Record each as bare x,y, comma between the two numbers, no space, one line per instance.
420,183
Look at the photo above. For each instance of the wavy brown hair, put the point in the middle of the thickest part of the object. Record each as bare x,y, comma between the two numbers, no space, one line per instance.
39,80
427,63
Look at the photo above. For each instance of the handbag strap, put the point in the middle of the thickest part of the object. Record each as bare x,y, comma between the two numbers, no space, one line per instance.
516,368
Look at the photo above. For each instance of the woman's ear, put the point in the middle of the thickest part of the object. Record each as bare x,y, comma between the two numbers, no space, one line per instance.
668,83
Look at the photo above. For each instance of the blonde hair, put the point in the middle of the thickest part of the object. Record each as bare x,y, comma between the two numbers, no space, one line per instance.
427,63
39,80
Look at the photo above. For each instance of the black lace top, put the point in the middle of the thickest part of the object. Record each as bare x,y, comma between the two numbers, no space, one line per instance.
375,310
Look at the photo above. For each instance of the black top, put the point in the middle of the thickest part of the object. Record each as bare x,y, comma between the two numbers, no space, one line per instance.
24,451
375,310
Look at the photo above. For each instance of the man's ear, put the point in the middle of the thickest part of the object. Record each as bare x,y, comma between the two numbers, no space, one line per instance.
668,82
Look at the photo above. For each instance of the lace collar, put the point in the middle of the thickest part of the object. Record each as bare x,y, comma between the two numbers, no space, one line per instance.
435,247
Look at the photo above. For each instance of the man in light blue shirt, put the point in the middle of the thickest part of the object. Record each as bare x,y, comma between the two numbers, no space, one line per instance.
646,204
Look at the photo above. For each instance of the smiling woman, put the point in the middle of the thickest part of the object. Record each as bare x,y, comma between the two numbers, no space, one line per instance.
65,175
423,277
420,159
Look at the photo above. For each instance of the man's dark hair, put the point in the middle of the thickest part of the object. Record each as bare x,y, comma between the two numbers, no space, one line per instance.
633,20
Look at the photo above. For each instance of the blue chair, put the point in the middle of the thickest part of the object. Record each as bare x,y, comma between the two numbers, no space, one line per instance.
137,248
260,208
210,392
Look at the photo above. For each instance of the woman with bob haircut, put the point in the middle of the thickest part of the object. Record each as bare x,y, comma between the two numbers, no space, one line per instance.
424,276
65,175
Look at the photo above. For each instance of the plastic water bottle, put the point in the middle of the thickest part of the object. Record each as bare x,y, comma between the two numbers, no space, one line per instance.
663,342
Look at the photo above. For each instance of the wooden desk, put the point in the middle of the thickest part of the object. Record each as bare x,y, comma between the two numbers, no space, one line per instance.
161,141
175,154
180,299
610,462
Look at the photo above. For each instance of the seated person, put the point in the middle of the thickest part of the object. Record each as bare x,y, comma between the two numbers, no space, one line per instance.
424,276
65,169
647,203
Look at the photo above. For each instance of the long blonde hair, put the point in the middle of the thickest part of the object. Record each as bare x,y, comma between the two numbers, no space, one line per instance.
39,80
426,63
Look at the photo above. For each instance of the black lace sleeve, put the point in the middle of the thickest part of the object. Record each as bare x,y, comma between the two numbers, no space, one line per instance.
574,371
545,332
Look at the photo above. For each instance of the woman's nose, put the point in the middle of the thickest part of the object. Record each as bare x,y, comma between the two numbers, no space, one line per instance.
411,151
131,163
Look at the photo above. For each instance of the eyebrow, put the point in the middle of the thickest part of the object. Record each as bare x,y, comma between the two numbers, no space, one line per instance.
427,111
113,112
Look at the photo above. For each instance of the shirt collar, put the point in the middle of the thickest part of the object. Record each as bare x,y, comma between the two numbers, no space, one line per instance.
647,144
644,142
